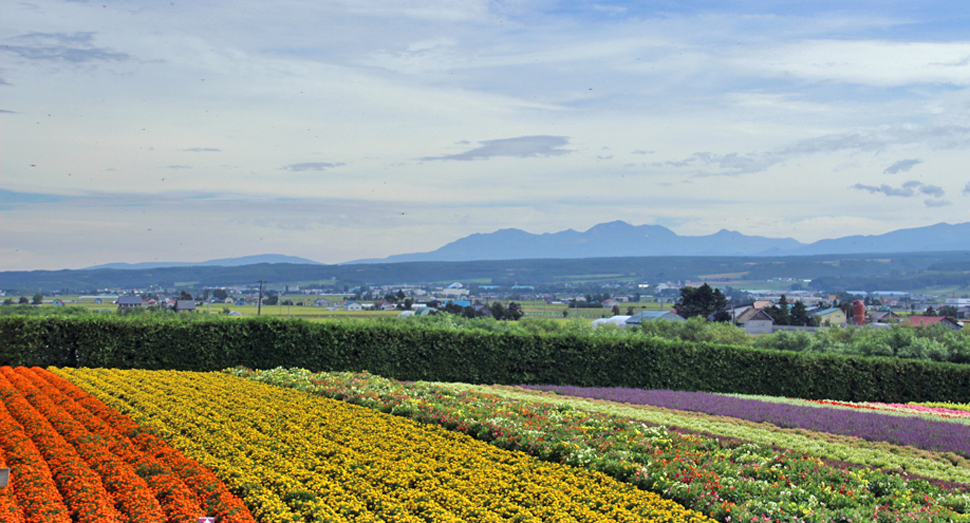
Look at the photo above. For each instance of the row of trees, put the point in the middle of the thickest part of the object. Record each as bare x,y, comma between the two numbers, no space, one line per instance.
37,300
711,303
494,310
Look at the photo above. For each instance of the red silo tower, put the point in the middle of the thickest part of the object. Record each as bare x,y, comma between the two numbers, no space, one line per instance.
858,312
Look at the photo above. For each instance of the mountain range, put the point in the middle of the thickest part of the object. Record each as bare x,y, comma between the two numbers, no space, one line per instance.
223,262
617,239
620,239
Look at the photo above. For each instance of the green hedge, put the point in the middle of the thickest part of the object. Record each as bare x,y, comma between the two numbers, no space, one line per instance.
409,352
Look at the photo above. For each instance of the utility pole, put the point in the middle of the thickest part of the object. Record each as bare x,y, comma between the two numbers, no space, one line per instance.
259,304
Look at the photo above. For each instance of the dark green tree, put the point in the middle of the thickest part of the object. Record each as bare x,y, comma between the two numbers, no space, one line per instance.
700,301
514,312
783,312
616,310
23,299
220,294
799,315
38,299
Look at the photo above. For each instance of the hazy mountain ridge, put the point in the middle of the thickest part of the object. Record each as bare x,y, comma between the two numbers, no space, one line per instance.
618,239
222,262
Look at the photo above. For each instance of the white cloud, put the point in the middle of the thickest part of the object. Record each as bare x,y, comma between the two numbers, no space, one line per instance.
869,62
519,147
312,166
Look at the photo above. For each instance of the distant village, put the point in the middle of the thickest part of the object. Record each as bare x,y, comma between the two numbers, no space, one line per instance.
757,311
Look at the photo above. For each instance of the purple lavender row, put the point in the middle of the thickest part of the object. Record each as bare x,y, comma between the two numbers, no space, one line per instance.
939,436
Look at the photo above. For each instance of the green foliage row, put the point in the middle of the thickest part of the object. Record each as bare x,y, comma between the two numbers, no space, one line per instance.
935,343
418,352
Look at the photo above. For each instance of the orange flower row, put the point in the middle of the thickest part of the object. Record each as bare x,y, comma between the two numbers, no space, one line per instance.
164,464
179,502
37,499
128,491
81,488
102,466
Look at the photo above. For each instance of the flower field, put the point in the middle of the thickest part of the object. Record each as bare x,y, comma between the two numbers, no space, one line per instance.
959,407
729,479
943,434
295,457
73,460
98,445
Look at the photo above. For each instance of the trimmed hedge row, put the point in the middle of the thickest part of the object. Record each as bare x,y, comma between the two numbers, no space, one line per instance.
409,352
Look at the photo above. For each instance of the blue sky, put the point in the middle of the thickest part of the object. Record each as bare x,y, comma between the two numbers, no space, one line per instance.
337,130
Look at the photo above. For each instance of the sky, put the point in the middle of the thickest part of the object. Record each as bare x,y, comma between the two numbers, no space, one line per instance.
140,131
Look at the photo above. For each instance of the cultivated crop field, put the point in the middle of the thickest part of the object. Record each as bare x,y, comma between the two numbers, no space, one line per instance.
291,445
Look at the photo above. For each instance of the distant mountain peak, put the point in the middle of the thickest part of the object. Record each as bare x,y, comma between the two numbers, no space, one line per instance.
621,239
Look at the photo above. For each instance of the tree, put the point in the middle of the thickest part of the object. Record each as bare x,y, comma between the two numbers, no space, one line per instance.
400,295
616,310
799,315
948,310
8,301
782,313
38,299
498,310
184,295
629,311
23,299
272,299
514,312
930,311
220,294
700,301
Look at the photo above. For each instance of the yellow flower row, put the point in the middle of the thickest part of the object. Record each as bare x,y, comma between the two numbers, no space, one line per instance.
296,457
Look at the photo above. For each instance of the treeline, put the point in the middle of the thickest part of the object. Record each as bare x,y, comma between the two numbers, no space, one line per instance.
412,351
894,282
827,268
935,343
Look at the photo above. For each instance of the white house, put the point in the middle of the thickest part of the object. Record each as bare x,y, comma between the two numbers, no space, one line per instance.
353,306
755,321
